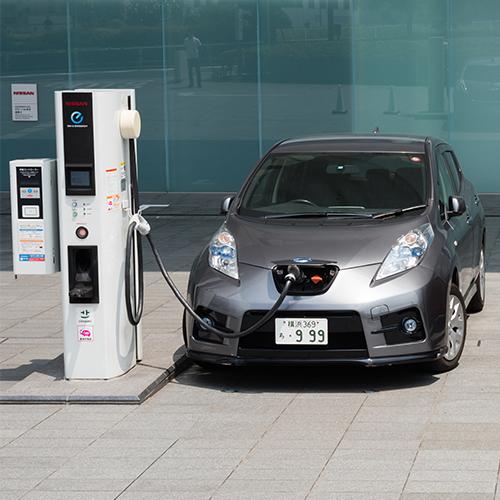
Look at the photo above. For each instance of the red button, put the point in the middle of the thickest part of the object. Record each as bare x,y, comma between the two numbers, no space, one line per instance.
316,279
82,232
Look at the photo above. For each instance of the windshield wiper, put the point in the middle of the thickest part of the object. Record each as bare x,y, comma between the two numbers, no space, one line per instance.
398,211
304,215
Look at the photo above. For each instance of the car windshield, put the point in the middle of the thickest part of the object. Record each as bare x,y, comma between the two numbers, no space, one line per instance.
340,184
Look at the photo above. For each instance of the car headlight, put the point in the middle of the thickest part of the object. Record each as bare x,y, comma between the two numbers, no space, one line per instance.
222,253
408,251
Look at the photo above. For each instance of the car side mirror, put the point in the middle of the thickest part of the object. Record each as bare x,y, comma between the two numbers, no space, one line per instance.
226,203
456,206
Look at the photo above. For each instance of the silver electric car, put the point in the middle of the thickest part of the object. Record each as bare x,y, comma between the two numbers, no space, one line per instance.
386,237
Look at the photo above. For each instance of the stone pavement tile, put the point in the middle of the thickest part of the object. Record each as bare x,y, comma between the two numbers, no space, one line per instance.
174,486
38,472
267,472
311,455
467,411
206,453
270,487
251,495
360,486
28,461
365,474
191,444
413,486
453,475
15,484
187,474
70,495
378,444
375,454
12,451
324,495
12,494
101,468
86,484
57,442
374,414
161,495
165,463
269,441
446,496
340,464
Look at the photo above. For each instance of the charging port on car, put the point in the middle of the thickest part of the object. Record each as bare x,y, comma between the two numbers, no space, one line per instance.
314,279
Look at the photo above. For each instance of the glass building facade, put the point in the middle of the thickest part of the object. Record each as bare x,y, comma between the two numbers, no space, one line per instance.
270,69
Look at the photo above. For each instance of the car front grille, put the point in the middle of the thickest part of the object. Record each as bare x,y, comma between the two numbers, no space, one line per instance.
346,338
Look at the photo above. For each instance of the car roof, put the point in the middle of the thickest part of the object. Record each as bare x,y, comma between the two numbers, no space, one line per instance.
376,143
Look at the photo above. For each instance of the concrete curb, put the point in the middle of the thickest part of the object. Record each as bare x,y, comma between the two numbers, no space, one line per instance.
172,371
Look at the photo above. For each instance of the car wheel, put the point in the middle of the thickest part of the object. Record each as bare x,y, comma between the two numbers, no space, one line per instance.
477,303
456,326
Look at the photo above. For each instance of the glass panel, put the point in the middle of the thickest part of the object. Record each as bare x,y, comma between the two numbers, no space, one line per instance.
212,120
33,44
474,69
305,53
400,67
118,44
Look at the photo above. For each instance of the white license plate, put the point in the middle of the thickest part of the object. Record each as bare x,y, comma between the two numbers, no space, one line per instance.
301,331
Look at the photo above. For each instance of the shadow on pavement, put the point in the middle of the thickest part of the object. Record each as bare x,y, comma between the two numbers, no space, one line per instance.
51,367
347,379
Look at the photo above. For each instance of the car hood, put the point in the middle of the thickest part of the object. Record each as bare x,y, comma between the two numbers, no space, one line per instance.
346,243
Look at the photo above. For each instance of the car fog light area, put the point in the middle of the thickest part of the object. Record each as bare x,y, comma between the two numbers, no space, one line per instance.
410,325
407,253
222,254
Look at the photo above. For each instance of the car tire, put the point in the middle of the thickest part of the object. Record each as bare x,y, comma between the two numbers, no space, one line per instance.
456,329
477,303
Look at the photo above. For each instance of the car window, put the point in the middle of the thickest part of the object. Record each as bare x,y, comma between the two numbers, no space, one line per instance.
446,185
454,170
366,182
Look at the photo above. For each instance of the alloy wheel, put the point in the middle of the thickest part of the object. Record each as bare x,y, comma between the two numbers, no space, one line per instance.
455,323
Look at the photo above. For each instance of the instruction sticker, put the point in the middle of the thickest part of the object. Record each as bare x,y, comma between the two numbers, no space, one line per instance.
112,188
31,241
85,333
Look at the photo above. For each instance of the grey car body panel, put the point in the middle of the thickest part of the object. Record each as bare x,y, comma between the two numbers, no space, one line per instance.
357,247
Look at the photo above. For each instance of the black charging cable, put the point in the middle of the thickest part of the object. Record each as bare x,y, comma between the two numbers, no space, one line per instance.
134,288
290,278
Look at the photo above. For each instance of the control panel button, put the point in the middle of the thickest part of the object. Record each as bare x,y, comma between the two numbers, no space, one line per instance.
82,232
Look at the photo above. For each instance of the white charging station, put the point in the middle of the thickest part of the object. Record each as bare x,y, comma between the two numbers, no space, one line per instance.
93,132
35,231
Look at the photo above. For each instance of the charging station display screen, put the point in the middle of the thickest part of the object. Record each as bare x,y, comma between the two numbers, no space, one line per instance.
80,178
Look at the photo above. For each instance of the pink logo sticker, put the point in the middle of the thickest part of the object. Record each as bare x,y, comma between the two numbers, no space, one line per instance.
86,333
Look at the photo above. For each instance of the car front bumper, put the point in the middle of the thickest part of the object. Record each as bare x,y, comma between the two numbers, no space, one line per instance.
352,293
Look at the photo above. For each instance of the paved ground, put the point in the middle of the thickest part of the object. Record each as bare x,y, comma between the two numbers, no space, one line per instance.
275,433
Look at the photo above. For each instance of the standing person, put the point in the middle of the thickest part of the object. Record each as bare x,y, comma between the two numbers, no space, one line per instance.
192,46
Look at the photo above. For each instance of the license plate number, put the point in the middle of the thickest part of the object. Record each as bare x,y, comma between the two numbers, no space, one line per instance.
301,331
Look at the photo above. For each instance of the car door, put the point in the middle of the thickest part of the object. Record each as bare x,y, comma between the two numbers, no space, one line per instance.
471,200
459,229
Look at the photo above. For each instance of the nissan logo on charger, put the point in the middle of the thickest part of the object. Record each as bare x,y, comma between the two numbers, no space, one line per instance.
76,117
